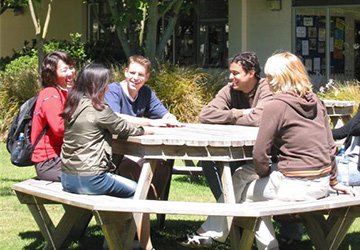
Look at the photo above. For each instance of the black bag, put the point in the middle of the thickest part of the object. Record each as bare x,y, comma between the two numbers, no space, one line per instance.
18,142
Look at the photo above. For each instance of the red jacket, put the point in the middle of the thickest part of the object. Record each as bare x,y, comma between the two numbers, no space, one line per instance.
48,109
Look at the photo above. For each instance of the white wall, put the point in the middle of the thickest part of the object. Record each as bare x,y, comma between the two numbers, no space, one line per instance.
14,30
260,38
68,16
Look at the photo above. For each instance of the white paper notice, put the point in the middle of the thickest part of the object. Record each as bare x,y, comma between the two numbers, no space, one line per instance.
305,47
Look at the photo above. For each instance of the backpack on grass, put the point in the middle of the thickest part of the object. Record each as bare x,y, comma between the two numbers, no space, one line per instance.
18,141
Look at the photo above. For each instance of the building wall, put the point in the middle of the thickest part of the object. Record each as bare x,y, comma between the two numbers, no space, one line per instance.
264,30
68,16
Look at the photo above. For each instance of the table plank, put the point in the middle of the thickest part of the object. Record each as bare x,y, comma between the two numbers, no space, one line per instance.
200,135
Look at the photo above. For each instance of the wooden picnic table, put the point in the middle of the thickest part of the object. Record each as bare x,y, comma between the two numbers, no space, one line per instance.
326,220
220,143
339,111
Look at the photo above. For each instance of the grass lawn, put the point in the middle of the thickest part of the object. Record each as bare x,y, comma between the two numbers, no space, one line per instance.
18,230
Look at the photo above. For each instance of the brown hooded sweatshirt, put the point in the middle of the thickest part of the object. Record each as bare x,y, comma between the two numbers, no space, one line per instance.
298,128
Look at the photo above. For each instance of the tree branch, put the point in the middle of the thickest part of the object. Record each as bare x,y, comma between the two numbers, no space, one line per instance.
36,23
168,32
169,7
120,30
47,20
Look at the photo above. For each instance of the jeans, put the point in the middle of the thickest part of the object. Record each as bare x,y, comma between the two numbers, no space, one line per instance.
105,183
350,168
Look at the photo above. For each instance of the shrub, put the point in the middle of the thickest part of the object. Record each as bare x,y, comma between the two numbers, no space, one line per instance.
343,91
75,48
183,90
19,82
19,77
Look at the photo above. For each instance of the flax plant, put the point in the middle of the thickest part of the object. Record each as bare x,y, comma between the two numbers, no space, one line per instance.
343,91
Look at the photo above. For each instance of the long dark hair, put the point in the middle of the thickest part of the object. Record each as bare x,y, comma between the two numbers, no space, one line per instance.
49,65
92,83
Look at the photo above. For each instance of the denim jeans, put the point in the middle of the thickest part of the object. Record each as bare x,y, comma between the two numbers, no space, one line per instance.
350,168
105,183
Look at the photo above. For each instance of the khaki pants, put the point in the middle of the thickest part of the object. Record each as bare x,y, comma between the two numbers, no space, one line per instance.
249,188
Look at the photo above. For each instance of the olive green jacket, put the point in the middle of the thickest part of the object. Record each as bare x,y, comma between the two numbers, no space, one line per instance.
88,134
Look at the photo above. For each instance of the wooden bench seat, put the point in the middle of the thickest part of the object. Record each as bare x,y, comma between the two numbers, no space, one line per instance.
115,214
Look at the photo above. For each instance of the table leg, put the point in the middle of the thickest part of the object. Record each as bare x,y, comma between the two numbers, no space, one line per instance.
55,236
327,233
142,189
229,197
249,227
227,184
118,228
146,175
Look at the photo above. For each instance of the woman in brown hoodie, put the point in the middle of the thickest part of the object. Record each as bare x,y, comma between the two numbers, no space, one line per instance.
295,126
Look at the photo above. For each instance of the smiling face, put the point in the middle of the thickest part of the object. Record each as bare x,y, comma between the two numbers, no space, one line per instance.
240,80
64,74
136,76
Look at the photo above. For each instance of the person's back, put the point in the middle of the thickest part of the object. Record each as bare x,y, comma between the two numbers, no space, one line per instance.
303,148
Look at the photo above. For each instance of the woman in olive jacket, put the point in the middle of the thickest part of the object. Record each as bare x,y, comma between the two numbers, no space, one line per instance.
86,151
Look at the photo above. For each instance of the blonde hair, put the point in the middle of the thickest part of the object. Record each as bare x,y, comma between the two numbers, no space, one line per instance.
287,74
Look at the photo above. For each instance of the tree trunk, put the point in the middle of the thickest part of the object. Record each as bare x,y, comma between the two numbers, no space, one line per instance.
169,30
151,31
120,31
40,50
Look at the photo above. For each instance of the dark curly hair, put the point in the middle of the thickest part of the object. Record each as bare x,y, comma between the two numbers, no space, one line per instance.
248,61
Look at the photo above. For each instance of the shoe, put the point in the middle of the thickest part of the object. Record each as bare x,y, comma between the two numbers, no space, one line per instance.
285,243
195,241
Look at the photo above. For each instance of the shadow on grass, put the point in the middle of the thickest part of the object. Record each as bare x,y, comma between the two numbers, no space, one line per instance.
6,190
165,239
194,179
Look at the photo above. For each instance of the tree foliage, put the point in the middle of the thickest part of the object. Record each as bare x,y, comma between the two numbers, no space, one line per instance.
145,27
11,4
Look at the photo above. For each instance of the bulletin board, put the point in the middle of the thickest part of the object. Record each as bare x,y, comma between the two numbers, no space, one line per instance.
311,43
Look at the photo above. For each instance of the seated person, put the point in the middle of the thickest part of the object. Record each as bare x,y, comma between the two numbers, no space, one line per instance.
295,124
57,76
86,151
135,102
350,131
240,102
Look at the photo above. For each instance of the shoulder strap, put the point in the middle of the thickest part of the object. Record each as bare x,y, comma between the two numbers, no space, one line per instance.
40,135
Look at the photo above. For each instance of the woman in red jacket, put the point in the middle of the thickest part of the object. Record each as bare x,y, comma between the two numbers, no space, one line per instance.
57,75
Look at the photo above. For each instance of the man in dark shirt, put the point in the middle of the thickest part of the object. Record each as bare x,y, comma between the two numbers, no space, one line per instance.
137,103
240,102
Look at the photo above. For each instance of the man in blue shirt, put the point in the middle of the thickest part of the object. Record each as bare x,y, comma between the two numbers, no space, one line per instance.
136,102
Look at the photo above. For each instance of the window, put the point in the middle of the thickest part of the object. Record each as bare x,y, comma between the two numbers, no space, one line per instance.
201,38
327,39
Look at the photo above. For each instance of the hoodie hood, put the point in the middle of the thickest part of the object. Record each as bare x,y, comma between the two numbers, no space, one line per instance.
305,106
